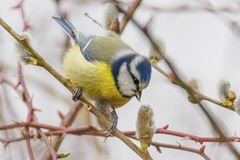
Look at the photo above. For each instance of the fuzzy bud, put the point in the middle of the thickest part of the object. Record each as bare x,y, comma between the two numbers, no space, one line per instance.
153,53
110,15
237,105
223,89
24,55
194,84
145,126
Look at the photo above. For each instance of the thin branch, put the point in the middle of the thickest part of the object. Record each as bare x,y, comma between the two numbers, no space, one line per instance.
130,12
50,147
187,8
67,121
19,6
184,148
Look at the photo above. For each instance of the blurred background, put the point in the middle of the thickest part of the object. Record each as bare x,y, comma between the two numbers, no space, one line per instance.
201,38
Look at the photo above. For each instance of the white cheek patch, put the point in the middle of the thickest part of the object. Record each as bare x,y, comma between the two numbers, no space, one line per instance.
125,82
133,65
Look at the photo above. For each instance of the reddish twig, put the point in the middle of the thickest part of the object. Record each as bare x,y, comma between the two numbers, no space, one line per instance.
89,130
67,121
50,147
30,116
27,101
26,24
183,148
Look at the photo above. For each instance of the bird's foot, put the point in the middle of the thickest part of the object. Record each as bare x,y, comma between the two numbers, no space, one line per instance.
114,120
77,94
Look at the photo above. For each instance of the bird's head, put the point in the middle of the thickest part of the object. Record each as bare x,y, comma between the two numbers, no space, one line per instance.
132,73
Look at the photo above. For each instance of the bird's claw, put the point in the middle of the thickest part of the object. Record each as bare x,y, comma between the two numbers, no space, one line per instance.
77,94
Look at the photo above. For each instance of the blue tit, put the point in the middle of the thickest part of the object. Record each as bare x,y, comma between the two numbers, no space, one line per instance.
105,69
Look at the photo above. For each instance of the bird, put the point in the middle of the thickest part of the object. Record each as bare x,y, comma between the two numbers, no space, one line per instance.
104,69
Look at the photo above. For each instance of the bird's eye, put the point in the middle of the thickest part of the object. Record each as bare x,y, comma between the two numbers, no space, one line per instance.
136,81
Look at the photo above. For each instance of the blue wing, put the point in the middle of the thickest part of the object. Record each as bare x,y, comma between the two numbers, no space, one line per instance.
94,48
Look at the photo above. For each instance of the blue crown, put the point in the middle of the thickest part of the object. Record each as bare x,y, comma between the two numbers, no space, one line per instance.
144,68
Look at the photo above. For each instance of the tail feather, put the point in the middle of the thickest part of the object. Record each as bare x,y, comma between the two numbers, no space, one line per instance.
68,28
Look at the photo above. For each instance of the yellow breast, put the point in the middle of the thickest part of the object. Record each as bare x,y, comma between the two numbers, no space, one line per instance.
95,78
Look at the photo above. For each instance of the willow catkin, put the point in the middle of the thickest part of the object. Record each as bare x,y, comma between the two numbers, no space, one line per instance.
145,126
223,89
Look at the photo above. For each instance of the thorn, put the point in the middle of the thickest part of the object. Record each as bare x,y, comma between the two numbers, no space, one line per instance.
105,139
17,85
5,145
178,143
148,24
158,149
202,149
187,138
61,114
37,110
166,126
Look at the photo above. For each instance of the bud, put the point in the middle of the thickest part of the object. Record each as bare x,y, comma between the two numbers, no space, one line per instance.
145,126
237,105
24,55
153,53
110,15
231,95
223,89
194,84
63,155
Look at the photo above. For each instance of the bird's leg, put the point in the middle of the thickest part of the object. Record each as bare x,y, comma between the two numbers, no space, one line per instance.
77,94
114,120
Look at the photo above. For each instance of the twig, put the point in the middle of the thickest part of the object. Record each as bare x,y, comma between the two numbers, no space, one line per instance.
19,6
130,12
30,115
66,122
182,8
50,147
184,148
200,96
94,20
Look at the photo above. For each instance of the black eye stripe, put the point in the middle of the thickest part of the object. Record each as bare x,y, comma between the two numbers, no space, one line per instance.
135,80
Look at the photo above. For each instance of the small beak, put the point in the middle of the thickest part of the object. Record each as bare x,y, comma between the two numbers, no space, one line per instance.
138,95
